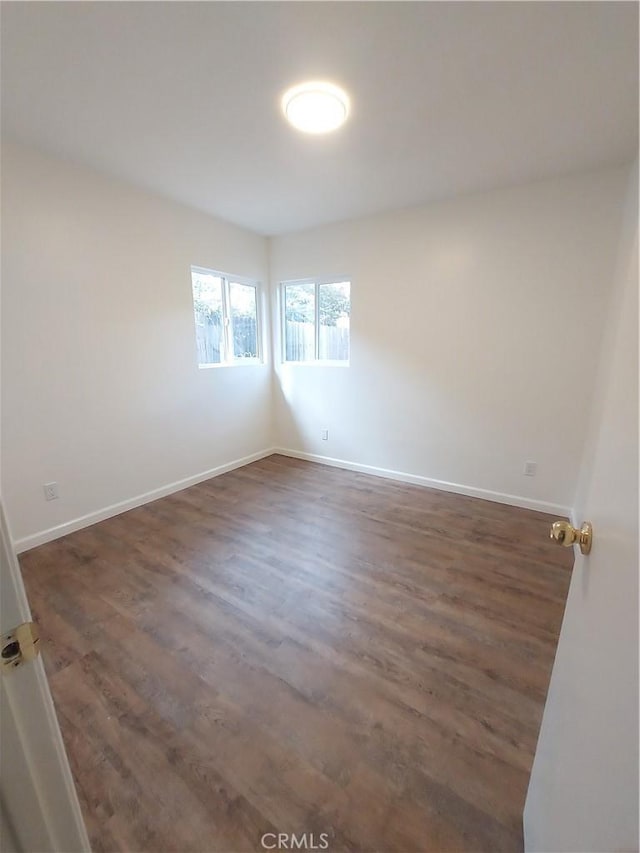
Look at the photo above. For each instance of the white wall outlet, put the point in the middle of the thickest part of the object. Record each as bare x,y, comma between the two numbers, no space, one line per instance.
51,491
325,434
530,469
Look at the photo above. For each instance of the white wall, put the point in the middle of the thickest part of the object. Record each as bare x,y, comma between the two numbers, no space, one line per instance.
476,326
101,390
465,340
583,794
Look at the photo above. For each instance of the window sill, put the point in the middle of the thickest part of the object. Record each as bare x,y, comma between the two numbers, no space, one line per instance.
248,362
316,363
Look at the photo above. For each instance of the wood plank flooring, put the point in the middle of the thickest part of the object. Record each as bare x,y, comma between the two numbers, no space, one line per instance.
293,648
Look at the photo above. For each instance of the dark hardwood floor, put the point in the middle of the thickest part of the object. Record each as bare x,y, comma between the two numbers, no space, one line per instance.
296,648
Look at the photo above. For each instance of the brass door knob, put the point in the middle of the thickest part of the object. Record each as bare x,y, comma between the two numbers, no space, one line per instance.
565,534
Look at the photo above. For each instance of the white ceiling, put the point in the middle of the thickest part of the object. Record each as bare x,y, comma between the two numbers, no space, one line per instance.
448,98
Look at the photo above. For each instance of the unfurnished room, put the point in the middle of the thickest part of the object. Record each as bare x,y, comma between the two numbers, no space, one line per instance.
319,427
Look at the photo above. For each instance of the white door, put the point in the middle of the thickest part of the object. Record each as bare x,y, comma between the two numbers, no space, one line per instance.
583,793
39,808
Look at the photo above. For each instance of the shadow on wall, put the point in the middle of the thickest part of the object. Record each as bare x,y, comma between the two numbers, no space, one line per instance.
286,422
448,390
381,407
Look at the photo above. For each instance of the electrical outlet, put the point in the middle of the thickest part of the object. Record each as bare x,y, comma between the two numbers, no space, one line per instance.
51,491
325,434
530,469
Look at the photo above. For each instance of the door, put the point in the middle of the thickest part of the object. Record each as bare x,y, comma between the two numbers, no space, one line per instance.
583,793
39,809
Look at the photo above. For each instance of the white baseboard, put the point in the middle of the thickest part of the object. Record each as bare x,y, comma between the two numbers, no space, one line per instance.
52,533
27,542
442,485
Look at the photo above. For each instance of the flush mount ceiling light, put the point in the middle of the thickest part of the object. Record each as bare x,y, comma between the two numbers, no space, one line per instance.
316,107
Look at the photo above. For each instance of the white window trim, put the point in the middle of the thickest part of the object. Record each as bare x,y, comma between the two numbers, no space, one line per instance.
317,282
227,279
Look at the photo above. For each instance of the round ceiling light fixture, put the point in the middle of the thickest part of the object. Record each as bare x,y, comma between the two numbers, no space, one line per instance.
316,107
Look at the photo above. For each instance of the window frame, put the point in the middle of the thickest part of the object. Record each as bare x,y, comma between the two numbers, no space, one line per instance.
317,283
227,321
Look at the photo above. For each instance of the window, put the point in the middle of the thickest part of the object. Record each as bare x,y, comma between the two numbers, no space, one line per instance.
226,313
316,316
